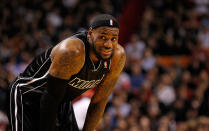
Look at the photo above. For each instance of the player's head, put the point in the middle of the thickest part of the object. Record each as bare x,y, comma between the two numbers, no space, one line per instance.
103,35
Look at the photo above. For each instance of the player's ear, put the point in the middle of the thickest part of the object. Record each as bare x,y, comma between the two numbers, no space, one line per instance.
90,31
90,34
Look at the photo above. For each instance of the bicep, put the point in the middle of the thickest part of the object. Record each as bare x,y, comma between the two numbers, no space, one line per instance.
66,62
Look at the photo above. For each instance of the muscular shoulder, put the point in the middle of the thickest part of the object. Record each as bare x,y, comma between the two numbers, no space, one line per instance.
119,51
67,58
118,60
69,47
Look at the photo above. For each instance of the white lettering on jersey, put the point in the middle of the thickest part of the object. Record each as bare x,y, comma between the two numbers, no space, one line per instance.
83,84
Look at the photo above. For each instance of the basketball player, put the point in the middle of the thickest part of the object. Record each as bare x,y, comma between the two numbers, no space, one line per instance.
40,97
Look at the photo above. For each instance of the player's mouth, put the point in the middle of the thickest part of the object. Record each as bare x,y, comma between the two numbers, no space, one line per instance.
107,51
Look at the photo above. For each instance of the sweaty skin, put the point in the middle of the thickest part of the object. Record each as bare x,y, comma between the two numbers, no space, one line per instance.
68,58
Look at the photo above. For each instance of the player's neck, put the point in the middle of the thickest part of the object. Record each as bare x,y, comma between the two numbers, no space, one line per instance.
93,56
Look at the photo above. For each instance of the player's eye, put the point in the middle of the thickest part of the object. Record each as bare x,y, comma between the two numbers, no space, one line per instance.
102,37
113,39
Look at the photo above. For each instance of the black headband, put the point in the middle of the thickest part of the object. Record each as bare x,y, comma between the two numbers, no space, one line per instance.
104,20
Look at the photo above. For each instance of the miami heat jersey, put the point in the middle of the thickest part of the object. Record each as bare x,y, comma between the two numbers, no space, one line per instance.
33,80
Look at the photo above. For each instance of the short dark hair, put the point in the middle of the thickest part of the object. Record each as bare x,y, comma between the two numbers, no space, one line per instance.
104,20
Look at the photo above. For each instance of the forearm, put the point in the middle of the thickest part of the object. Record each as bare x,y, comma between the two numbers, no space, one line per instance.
94,114
97,105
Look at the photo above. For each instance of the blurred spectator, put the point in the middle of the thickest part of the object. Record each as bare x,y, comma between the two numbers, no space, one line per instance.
123,82
134,128
3,121
201,6
136,77
165,90
164,124
203,123
122,125
134,49
149,61
153,110
144,124
119,108
54,18
203,35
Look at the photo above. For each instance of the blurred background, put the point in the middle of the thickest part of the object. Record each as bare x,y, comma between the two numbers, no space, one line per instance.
165,83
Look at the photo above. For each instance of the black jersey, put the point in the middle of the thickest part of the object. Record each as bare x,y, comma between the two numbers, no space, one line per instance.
27,90
33,79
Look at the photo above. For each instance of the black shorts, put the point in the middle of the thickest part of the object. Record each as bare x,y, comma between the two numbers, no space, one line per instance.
24,113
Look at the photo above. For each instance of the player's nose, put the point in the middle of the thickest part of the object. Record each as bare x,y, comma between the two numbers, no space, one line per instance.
108,44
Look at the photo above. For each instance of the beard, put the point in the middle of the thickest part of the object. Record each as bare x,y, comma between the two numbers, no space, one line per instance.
97,53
